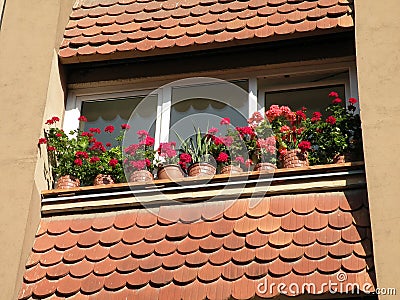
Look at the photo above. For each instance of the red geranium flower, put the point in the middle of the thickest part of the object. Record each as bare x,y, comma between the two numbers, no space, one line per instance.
353,100
51,148
142,133
148,162
95,130
223,157
225,121
42,141
304,145
149,141
333,94
82,119
213,130
248,162
239,159
109,129
301,115
316,117
82,154
55,119
78,162
49,122
94,159
337,101
108,145
125,126
331,120
59,135
113,162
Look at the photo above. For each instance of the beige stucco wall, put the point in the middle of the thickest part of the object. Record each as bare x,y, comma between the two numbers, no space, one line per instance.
30,90
378,62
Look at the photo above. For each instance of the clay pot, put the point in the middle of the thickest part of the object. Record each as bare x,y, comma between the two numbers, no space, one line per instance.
295,158
67,182
171,172
231,169
201,169
141,176
265,167
343,158
103,179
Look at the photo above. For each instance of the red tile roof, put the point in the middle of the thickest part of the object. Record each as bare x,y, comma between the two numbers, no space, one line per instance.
214,249
137,26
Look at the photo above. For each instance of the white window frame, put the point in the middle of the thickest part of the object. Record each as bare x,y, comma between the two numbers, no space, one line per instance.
256,97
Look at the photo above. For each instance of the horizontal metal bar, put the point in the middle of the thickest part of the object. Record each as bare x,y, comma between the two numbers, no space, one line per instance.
51,200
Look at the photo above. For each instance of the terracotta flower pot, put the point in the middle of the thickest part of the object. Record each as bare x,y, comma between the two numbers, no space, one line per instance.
171,172
141,176
231,169
343,158
67,182
201,169
295,158
103,179
265,167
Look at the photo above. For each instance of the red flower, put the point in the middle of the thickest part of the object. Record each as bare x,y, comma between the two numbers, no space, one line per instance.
213,130
82,119
333,94
337,101
142,133
109,129
125,126
49,122
98,146
113,162
284,128
304,108
225,121
248,162
88,134
131,149
55,119
78,162
222,157
149,141
42,141
95,130
108,144
245,130
301,115
304,145
185,157
59,135
139,165
282,151
81,154
331,120
239,159
316,117
94,159
148,162
51,148
353,100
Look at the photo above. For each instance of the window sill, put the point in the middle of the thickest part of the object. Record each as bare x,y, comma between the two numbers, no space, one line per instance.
190,189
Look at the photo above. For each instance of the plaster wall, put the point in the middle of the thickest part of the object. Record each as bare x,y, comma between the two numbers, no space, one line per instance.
378,64
30,90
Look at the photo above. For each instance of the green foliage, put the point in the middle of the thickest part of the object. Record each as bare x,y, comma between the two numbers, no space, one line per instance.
199,146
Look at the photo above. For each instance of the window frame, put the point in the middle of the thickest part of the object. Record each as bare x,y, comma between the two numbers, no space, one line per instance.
103,91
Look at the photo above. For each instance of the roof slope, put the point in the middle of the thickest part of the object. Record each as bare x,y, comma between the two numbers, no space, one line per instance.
99,27
213,249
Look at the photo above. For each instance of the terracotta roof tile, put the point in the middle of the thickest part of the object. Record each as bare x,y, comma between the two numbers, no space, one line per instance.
192,18
140,254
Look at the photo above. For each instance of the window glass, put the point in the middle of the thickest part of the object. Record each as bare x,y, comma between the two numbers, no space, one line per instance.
101,113
203,106
314,99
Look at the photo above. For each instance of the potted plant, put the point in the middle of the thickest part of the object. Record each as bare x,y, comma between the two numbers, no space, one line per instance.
198,147
68,156
168,167
263,148
337,139
139,158
289,129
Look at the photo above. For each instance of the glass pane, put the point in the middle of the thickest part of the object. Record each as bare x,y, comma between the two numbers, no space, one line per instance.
315,99
118,111
203,106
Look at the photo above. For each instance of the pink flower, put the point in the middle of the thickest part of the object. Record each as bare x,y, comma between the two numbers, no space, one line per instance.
225,121
353,100
95,130
331,120
282,151
333,94
149,141
82,119
94,159
148,162
113,162
131,149
274,112
78,162
213,130
304,145
337,101
239,159
255,119
142,133
125,126
139,164
228,141
51,148
222,157
316,117
42,141
109,129
248,162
